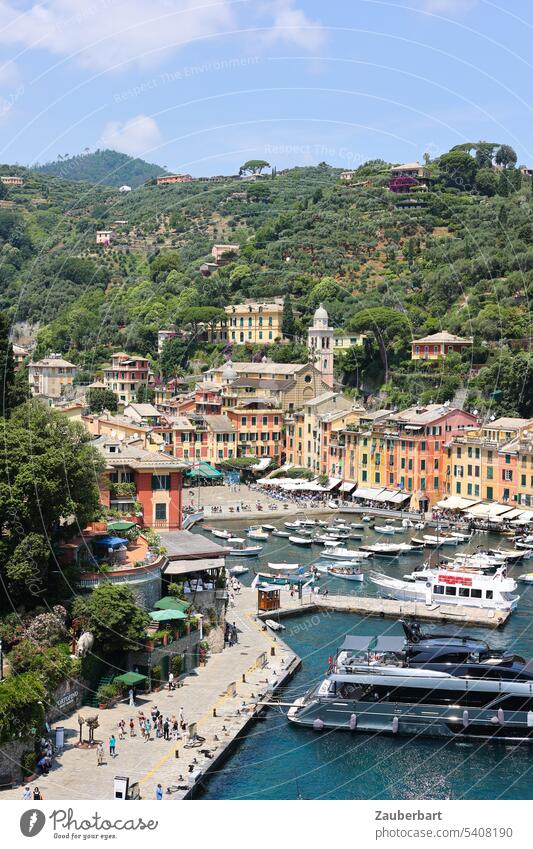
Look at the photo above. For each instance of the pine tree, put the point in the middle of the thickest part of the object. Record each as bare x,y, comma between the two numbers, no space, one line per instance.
7,369
288,325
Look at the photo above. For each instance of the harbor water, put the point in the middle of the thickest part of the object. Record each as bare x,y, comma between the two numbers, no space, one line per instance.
277,760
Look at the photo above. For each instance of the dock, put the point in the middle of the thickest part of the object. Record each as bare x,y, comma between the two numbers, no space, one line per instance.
474,617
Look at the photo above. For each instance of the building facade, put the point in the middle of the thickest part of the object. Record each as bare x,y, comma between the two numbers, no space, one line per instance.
51,376
320,339
438,345
125,375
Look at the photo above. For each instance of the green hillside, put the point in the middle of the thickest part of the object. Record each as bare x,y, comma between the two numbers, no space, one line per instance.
458,257
102,166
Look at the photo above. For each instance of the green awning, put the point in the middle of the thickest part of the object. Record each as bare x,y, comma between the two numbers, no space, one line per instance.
120,526
204,470
165,615
169,602
130,678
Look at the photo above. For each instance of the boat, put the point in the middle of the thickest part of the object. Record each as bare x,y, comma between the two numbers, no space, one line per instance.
278,533
357,526
244,550
510,555
435,685
349,573
292,525
255,532
277,580
461,536
448,586
283,567
220,533
324,539
344,554
308,523
526,579
366,519
300,540
433,541
274,626
238,570
384,549
384,529
268,527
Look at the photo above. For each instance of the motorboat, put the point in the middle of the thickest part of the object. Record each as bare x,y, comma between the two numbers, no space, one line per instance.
447,586
526,579
357,526
383,549
436,685
220,533
292,525
510,555
301,540
268,528
345,554
308,523
238,570
273,580
279,533
384,529
283,567
461,536
274,626
324,539
244,550
433,541
366,519
349,573
256,532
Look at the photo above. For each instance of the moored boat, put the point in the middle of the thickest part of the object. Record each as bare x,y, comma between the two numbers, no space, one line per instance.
349,573
301,540
345,554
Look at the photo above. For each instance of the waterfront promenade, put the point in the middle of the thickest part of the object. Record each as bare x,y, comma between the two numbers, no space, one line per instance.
217,686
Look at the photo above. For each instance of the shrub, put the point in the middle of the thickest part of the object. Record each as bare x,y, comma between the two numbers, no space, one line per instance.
21,708
176,664
107,692
28,762
47,628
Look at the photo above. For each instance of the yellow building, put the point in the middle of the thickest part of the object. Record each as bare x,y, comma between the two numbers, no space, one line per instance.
343,341
252,322
309,432
50,376
291,384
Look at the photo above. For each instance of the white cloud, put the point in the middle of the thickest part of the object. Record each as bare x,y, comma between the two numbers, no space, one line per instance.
101,34
137,137
292,26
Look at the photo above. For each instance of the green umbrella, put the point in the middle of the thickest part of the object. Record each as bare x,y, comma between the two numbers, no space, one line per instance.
120,526
165,615
131,678
169,602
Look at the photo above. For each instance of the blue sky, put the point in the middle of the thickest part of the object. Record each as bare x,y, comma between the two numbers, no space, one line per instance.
202,85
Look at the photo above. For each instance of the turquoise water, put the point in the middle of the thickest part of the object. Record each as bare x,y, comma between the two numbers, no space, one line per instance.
280,761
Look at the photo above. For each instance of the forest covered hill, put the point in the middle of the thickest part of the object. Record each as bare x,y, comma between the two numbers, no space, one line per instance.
102,166
458,257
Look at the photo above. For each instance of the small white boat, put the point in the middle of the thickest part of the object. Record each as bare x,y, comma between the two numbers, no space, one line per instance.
384,529
274,626
238,570
383,549
245,550
301,540
357,526
235,540
308,523
292,525
324,539
256,532
345,554
349,573
463,537
268,527
367,519
220,533
435,541
279,533
283,567
508,554
526,579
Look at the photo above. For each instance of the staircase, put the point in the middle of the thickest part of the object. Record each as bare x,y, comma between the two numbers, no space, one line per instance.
459,398
91,699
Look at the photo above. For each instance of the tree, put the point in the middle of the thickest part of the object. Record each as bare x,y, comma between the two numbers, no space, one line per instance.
390,328
506,156
253,166
486,182
210,316
458,169
175,356
27,567
162,264
3,191
7,369
112,615
145,394
288,325
99,399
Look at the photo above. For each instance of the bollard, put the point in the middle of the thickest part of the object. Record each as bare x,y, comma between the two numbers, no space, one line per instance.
272,651
243,678
177,753
214,712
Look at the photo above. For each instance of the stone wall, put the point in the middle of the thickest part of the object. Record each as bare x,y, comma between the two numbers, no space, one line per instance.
67,698
10,755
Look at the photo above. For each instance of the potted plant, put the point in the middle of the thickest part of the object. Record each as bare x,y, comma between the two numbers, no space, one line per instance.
28,763
107,695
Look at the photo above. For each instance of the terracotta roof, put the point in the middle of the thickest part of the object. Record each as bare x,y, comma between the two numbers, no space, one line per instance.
220,424
443,336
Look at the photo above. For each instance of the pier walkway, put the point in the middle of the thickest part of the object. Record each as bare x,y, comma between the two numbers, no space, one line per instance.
389,608
216,687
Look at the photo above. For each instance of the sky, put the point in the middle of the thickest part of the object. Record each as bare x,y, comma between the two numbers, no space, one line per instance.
200,86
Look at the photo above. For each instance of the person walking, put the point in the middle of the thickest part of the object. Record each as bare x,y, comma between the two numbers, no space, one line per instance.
100,754
132,727
159,792
121,729
131,695
182,719
37,795
112,746
166,729
147,730
170,681
26,793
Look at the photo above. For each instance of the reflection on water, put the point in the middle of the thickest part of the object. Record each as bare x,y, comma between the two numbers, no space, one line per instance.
279,761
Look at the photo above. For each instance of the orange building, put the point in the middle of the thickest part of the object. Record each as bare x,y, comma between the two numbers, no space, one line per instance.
438,345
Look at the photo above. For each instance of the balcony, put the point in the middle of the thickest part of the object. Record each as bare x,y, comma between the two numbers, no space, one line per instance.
123,491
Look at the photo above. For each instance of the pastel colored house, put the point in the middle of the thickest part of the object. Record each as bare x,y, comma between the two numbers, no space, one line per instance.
51,376
125,375
439,345
171,179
